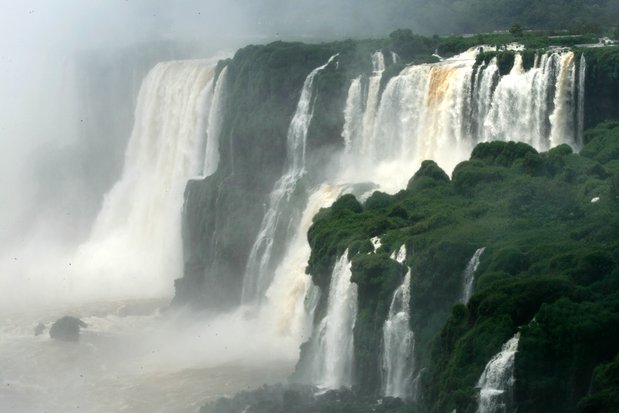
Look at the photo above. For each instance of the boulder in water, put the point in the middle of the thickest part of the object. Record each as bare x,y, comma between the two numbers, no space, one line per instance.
67,328
39,329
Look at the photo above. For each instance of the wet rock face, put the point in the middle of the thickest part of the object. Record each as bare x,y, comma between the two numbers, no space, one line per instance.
67,328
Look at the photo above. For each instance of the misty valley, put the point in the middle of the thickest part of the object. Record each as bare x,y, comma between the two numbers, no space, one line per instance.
405,224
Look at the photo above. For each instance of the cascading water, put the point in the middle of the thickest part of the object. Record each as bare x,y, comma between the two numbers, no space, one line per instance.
562,118
582,71
469,276
215,113
371,103
420,114
441,111
258,274
333,343
353,114
398,340
135,246
360,114
292,296
497,380
535,106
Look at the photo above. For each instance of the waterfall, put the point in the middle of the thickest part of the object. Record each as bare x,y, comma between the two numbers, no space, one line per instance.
497,380
292,296
258,274
438,111
333,343
562,118
485,82
216,109
420,116
369,115
520,107
360,114
353,113
469,276
398,340
135,245
399,255
581,100
535,106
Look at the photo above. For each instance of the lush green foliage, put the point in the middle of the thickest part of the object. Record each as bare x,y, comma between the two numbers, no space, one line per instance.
550,254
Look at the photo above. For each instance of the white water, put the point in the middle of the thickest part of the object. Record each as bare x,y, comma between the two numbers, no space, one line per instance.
333,347
399,255
376,243
292,296
497,380
213,128
371,103
399,340
562,119
438,111
582,71
468,276
258,274
135,245
353,114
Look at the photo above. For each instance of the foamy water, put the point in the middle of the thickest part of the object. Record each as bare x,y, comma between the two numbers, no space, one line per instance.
131,358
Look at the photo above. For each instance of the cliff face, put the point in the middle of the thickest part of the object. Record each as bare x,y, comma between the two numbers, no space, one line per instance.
223,212
531,232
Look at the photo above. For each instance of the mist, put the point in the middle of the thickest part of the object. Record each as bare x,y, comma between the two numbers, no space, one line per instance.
71,73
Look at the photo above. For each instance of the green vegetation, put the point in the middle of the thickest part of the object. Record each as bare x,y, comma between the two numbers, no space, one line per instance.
550,270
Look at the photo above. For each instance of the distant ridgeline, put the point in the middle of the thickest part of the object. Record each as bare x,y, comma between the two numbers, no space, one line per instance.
491,290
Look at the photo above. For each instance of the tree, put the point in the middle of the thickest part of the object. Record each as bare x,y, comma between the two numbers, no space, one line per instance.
516,30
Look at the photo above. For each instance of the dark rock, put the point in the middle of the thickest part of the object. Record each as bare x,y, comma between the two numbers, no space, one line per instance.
67,328
39,329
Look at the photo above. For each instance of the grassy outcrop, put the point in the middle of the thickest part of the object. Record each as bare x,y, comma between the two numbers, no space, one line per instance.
550,271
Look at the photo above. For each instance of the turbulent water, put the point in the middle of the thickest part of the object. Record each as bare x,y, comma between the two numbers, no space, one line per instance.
497,380
132,358
469,276
398,340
